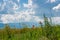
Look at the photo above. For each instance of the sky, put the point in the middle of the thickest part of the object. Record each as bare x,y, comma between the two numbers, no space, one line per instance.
17,11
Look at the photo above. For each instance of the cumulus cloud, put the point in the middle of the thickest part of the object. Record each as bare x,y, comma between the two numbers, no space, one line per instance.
15,7
26,15
7,18
56,8
20,17
11,6
51,1
29,5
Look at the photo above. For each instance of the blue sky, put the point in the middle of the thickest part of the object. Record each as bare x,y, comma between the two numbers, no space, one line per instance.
17,11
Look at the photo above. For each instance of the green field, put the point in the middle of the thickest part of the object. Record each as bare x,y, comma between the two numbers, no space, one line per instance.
36,33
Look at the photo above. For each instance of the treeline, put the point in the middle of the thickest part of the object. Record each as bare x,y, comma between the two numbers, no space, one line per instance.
43,32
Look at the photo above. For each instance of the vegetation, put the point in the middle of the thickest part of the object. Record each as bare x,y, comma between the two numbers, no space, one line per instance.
46,32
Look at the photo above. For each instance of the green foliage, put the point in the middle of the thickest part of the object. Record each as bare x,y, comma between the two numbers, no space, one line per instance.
30,34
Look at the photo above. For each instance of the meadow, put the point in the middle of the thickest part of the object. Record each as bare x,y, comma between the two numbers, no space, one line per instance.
43,32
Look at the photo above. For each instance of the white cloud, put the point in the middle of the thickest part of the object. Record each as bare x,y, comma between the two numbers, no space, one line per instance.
29,5
2,6
22,16
26,15
56,20
38,19
11,6
19,17
51,1
18,1
7,18
56,8
30,2
15,7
